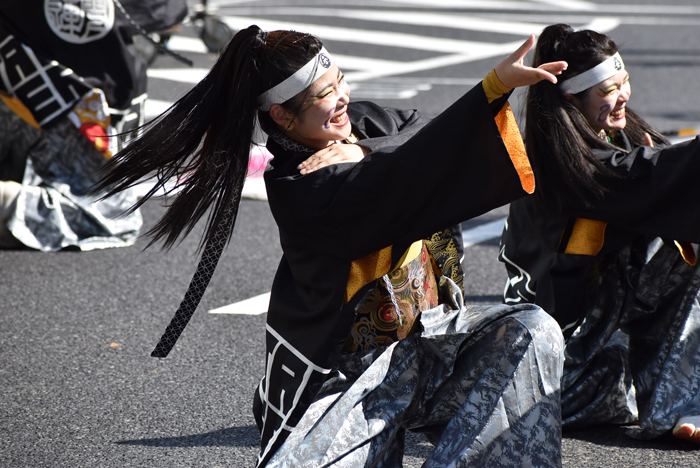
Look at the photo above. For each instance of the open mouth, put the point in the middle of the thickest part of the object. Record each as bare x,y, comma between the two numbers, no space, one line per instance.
618,114
340,119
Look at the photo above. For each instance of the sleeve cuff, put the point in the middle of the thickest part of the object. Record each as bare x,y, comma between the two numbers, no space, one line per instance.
493,88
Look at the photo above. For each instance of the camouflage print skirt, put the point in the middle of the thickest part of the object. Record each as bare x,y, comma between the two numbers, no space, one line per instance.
481,382
54,208
636,356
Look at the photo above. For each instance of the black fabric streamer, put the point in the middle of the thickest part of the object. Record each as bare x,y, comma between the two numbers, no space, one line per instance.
195,291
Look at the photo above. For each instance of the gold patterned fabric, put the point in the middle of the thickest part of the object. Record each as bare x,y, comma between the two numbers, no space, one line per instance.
377,322
366,270
446,256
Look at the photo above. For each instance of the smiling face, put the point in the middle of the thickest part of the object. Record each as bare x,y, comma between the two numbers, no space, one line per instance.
323,118
604,104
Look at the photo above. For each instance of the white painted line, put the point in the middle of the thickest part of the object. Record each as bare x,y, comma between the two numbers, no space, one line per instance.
187,44
254,306
155,107
183,75
431,80
377,90
483,232
432,63
366,36
660,9
501,5
454,21
351,62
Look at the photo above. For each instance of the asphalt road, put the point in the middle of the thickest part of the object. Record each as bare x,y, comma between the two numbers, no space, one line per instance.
77,385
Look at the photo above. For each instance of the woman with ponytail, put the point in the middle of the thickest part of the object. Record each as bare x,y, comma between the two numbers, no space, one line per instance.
604,244
367,333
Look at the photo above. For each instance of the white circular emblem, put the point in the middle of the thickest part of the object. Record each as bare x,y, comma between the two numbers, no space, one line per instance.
79,21
618,64
325,61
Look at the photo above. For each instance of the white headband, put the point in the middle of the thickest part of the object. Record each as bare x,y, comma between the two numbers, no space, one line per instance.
595,75
298,82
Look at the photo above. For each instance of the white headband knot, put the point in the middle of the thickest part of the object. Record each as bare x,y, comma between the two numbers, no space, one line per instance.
593,76
298,82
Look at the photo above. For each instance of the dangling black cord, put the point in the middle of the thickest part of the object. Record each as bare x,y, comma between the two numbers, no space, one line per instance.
144,33
200,281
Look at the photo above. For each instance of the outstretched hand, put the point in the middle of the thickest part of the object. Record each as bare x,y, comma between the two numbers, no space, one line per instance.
333,154
513,73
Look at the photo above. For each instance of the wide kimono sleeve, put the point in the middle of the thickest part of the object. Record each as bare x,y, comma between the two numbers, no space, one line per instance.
421,177
457,166
655,194
551,259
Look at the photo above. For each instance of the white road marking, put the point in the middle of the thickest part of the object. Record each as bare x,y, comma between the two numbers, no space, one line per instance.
652,20
254,306
259,304
155,107
483,232
375,90
453,51
182,75
187,44
422,18
368,36
553,5
503,5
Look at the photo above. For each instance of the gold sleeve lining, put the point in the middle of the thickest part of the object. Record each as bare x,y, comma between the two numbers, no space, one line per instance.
376,265
587,237
508,127
20,109
687,252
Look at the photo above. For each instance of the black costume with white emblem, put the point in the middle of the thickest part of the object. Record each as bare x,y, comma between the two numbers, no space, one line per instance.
613,275
450,169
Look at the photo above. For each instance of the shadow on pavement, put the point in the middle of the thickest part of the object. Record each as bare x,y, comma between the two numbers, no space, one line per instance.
244,436
483,299
615,436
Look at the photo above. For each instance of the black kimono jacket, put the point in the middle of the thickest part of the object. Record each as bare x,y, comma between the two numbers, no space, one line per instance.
551,258
450,169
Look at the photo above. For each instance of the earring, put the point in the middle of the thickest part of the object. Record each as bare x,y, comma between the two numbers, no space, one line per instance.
290,127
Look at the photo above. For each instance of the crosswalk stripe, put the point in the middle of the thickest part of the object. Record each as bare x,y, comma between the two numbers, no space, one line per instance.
534,5
421,18
254,306
483,232
432,63
367,36
187,44
182,75
155,107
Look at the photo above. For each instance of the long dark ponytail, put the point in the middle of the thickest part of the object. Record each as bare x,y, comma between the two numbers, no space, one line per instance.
204,140
558,138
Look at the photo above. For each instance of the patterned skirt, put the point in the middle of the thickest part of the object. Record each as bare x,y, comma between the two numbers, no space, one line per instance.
636,356
481,382
56,167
